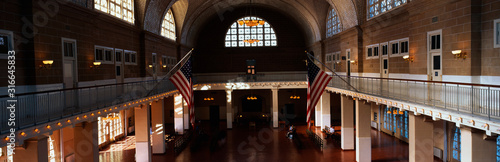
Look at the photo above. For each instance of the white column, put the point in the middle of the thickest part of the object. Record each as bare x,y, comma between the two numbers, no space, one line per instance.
363,128
275,107
318,118
178,114
420,139
347,123
142,138
86,141
325,109
36,150
474,147
229,109
157,121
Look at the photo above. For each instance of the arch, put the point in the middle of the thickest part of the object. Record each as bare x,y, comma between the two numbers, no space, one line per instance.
157,9
299,13
168,25
238,34
349,13
333,23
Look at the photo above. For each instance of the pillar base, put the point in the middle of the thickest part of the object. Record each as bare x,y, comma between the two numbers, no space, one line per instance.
142,151
363,149
347,138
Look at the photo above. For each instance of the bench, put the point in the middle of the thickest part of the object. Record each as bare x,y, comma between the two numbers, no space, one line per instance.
317,140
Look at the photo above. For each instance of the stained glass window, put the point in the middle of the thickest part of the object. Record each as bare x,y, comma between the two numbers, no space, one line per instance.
376,7
168,25
333,25
456,143
237,34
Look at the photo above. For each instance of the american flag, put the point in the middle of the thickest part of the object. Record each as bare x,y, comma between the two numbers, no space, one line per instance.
317,81
183,81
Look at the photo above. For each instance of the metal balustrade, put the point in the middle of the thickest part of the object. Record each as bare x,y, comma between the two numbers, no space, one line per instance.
477,99
41,107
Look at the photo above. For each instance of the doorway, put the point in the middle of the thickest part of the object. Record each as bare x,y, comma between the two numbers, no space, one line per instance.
434,65
348,62
214,115
70,75
119,66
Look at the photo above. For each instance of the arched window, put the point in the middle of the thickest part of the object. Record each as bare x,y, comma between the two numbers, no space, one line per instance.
456,144
240,35
376,7
333,25
123,9
168,25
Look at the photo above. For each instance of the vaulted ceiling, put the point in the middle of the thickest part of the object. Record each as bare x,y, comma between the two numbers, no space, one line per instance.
191,15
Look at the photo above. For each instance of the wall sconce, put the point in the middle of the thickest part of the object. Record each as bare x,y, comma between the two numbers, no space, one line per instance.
354,62
164,66
95,65
459,54
150,66
208,99
46,64
407,58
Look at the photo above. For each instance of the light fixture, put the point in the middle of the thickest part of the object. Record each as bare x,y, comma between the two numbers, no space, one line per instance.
252,21
459,54
251,41
150,66
95,65
164,66
294,97
407,58
46,64
251,98
48,126
354,62
388,112
208,99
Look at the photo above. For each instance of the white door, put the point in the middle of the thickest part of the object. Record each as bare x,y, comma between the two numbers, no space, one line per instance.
436,72
70,75
435,66
384,66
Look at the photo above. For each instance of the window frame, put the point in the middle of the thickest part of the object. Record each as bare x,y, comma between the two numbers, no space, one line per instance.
241,31
399,50
122,55
328,58
379,4
162,28
104,49
130,54
72,41
10,46
332,27
496,33
124,16
372,47
382,49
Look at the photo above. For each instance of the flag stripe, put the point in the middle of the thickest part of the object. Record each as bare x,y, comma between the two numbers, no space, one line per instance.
317,81
183,82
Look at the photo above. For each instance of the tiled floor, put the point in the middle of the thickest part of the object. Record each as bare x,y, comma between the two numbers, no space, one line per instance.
265,144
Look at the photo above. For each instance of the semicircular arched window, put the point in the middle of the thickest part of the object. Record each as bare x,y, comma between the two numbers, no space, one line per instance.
241,35
333,25
168,25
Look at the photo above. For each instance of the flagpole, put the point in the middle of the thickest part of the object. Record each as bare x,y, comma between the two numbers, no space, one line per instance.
333,72
169,74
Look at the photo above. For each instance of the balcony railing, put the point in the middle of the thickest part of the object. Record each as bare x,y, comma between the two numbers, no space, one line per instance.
42,107
477,99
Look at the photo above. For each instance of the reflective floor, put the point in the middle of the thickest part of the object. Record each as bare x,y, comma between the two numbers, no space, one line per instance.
245,143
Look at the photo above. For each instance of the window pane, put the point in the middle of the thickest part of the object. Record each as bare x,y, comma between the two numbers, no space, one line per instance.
259,35
369,52
333,24
437,62
385,64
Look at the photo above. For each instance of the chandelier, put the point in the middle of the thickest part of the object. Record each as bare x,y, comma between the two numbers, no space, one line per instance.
251,98
294,97
252,22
